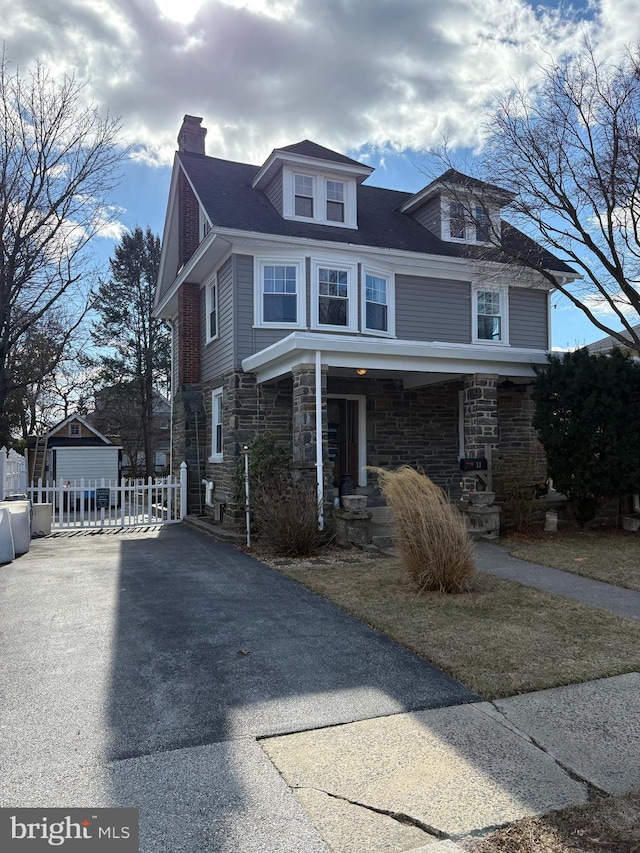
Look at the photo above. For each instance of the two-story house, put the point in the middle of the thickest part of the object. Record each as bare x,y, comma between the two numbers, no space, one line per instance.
363,326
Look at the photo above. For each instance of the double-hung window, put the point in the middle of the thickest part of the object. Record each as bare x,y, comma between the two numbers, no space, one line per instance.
378,302
279,293
456,220
483,225
212,309
303,193
334,305
490,314
216,426
335,201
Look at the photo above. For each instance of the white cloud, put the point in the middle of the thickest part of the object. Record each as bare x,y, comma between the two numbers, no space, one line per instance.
262,73
604,309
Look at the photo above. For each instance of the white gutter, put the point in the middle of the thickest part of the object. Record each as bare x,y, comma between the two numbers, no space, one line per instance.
319,466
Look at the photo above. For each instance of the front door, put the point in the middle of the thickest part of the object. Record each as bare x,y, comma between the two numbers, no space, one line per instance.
342,418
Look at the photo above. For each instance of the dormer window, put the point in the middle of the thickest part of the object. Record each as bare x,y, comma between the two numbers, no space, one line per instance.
303,195
319,197
467,221
456,220
483,224
335,201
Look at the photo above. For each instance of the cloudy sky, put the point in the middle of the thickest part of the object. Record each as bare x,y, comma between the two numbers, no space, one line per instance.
381,80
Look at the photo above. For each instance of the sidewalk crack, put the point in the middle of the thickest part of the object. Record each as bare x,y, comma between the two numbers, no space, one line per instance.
400,817
593,791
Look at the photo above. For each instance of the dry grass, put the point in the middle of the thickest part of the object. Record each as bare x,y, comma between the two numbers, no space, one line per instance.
430,533
499,639
611,825
611,556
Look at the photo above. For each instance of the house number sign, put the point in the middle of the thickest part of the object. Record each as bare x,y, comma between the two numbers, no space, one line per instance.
479,464
102,498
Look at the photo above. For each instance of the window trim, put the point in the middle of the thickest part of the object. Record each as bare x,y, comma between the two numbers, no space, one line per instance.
212,285
320,178
217,455
313,196
391,301
503,291
75,430
470,224
259,262
352,299
328,201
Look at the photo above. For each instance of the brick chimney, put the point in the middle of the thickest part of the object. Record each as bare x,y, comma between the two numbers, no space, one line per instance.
191,136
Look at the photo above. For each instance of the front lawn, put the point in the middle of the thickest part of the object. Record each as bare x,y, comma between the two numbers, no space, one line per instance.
500,639
611,556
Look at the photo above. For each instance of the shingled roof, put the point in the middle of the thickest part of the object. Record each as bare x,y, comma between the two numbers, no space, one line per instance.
225,190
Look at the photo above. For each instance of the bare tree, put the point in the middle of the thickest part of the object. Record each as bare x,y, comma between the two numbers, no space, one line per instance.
58,163
568,150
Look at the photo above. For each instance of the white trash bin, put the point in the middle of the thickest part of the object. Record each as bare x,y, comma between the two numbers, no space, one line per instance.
41,519
7,551
20,518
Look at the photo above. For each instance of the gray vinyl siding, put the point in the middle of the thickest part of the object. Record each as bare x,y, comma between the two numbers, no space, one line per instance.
274,192
430,217
217,356
431,309
528,318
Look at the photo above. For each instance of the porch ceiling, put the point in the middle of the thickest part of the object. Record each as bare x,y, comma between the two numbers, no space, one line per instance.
413,359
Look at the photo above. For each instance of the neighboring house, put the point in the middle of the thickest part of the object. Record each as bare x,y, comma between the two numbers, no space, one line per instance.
295,281
115,414
604,345
72,450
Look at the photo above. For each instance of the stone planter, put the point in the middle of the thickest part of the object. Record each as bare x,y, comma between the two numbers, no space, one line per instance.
631,523
482,498
354,503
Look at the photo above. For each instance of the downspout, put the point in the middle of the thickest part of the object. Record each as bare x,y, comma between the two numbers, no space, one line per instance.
319,467
636,503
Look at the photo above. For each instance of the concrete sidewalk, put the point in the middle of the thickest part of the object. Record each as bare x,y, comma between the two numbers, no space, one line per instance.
407,781
496,560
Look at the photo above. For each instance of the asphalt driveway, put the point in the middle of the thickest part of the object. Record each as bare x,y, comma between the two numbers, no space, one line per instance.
139,669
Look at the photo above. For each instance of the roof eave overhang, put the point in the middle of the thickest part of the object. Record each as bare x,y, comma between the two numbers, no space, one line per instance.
279,158
392,355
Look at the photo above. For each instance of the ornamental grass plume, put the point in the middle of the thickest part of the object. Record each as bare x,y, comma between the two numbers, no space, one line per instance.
430,535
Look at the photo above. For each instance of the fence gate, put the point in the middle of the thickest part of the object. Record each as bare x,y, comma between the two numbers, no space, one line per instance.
109,503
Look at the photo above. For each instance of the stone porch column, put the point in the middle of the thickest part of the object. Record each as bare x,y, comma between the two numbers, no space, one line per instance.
304,421
480,413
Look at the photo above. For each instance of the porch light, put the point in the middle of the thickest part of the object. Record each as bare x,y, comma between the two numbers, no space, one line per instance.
361,371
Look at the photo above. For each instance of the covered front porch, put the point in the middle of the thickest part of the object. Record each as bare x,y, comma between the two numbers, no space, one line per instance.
358,402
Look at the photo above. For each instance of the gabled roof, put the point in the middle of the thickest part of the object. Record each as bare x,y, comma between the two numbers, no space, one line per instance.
311,149
56,429
225,190
452,179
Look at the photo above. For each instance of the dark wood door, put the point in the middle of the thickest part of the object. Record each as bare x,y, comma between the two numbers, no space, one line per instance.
342,417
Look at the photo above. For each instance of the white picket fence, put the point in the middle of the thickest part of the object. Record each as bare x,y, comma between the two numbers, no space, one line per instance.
109,503
13,473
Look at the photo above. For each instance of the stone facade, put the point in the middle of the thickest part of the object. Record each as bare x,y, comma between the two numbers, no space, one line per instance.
480,413
417,427
410,427
517,439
